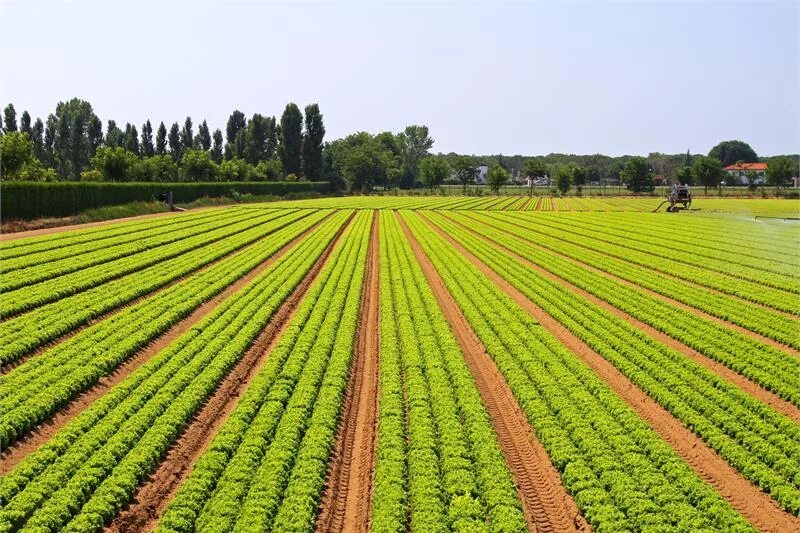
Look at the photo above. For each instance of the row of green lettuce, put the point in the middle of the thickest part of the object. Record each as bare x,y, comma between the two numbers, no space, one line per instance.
620,473
266,466
21,335
756,440
442,470
37,388
91,468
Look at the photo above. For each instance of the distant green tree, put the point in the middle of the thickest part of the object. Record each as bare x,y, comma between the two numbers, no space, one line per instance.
291,144
578,176
10,118
115,164
236,123
534,169
415,143
37,140
707,171
16,148
496,177
312,143
780,171
364,165
94,132
114,136
216,150
187,136
156,168
465,170
236,170
203,137
253,139
148,150
638,175
729,152
175,145
197,165
685,176
161,140
563,178
752,178
25,123
433,171
131,143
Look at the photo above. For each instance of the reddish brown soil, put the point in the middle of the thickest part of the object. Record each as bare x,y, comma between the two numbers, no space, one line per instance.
19,229
756,506
779,404
13,454
153,496
545,501
345,505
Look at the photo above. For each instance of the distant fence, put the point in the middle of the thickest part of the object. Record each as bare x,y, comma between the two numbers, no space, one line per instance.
28,200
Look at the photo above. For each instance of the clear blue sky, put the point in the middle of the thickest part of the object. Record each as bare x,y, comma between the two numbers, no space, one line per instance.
532,78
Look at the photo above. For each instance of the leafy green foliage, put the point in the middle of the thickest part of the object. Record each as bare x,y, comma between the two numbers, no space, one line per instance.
730,152
496,178
637,175
433,171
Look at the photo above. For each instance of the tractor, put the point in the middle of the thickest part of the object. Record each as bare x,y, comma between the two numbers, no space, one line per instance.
680,194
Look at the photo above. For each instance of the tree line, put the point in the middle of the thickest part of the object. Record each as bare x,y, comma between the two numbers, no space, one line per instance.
73,145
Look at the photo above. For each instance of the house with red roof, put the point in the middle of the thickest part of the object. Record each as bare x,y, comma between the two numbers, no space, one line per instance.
739,172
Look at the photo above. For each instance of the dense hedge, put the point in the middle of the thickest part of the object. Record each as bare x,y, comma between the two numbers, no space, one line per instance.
27,200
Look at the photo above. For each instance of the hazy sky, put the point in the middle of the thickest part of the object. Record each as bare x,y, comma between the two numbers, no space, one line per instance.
528,78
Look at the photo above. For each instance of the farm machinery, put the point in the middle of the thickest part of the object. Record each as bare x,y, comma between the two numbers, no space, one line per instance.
680,194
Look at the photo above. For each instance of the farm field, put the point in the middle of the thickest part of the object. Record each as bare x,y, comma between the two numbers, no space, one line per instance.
396,364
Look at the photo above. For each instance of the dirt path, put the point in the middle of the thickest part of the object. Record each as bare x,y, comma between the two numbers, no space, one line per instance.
545,501
13,454
753,389
153,496
756,506
70,227
345,505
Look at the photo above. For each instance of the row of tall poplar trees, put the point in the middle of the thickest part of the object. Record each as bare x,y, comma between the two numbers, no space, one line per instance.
69,138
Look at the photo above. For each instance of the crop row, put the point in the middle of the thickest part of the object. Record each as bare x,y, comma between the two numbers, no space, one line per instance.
65,251
29,297
767,322
31,274
692,237
64,239
22,334
85,474
620,473
763,364
749,290
762,444
648,232
37,388
266,466
457,477
670,251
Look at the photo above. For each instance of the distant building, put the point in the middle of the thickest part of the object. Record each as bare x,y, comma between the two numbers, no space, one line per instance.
739,172
480,179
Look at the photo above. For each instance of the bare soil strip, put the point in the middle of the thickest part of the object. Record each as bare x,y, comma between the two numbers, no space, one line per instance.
74,227
676,303
756,506
153,496
345,505
8,367
13,454
753,389
545,501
